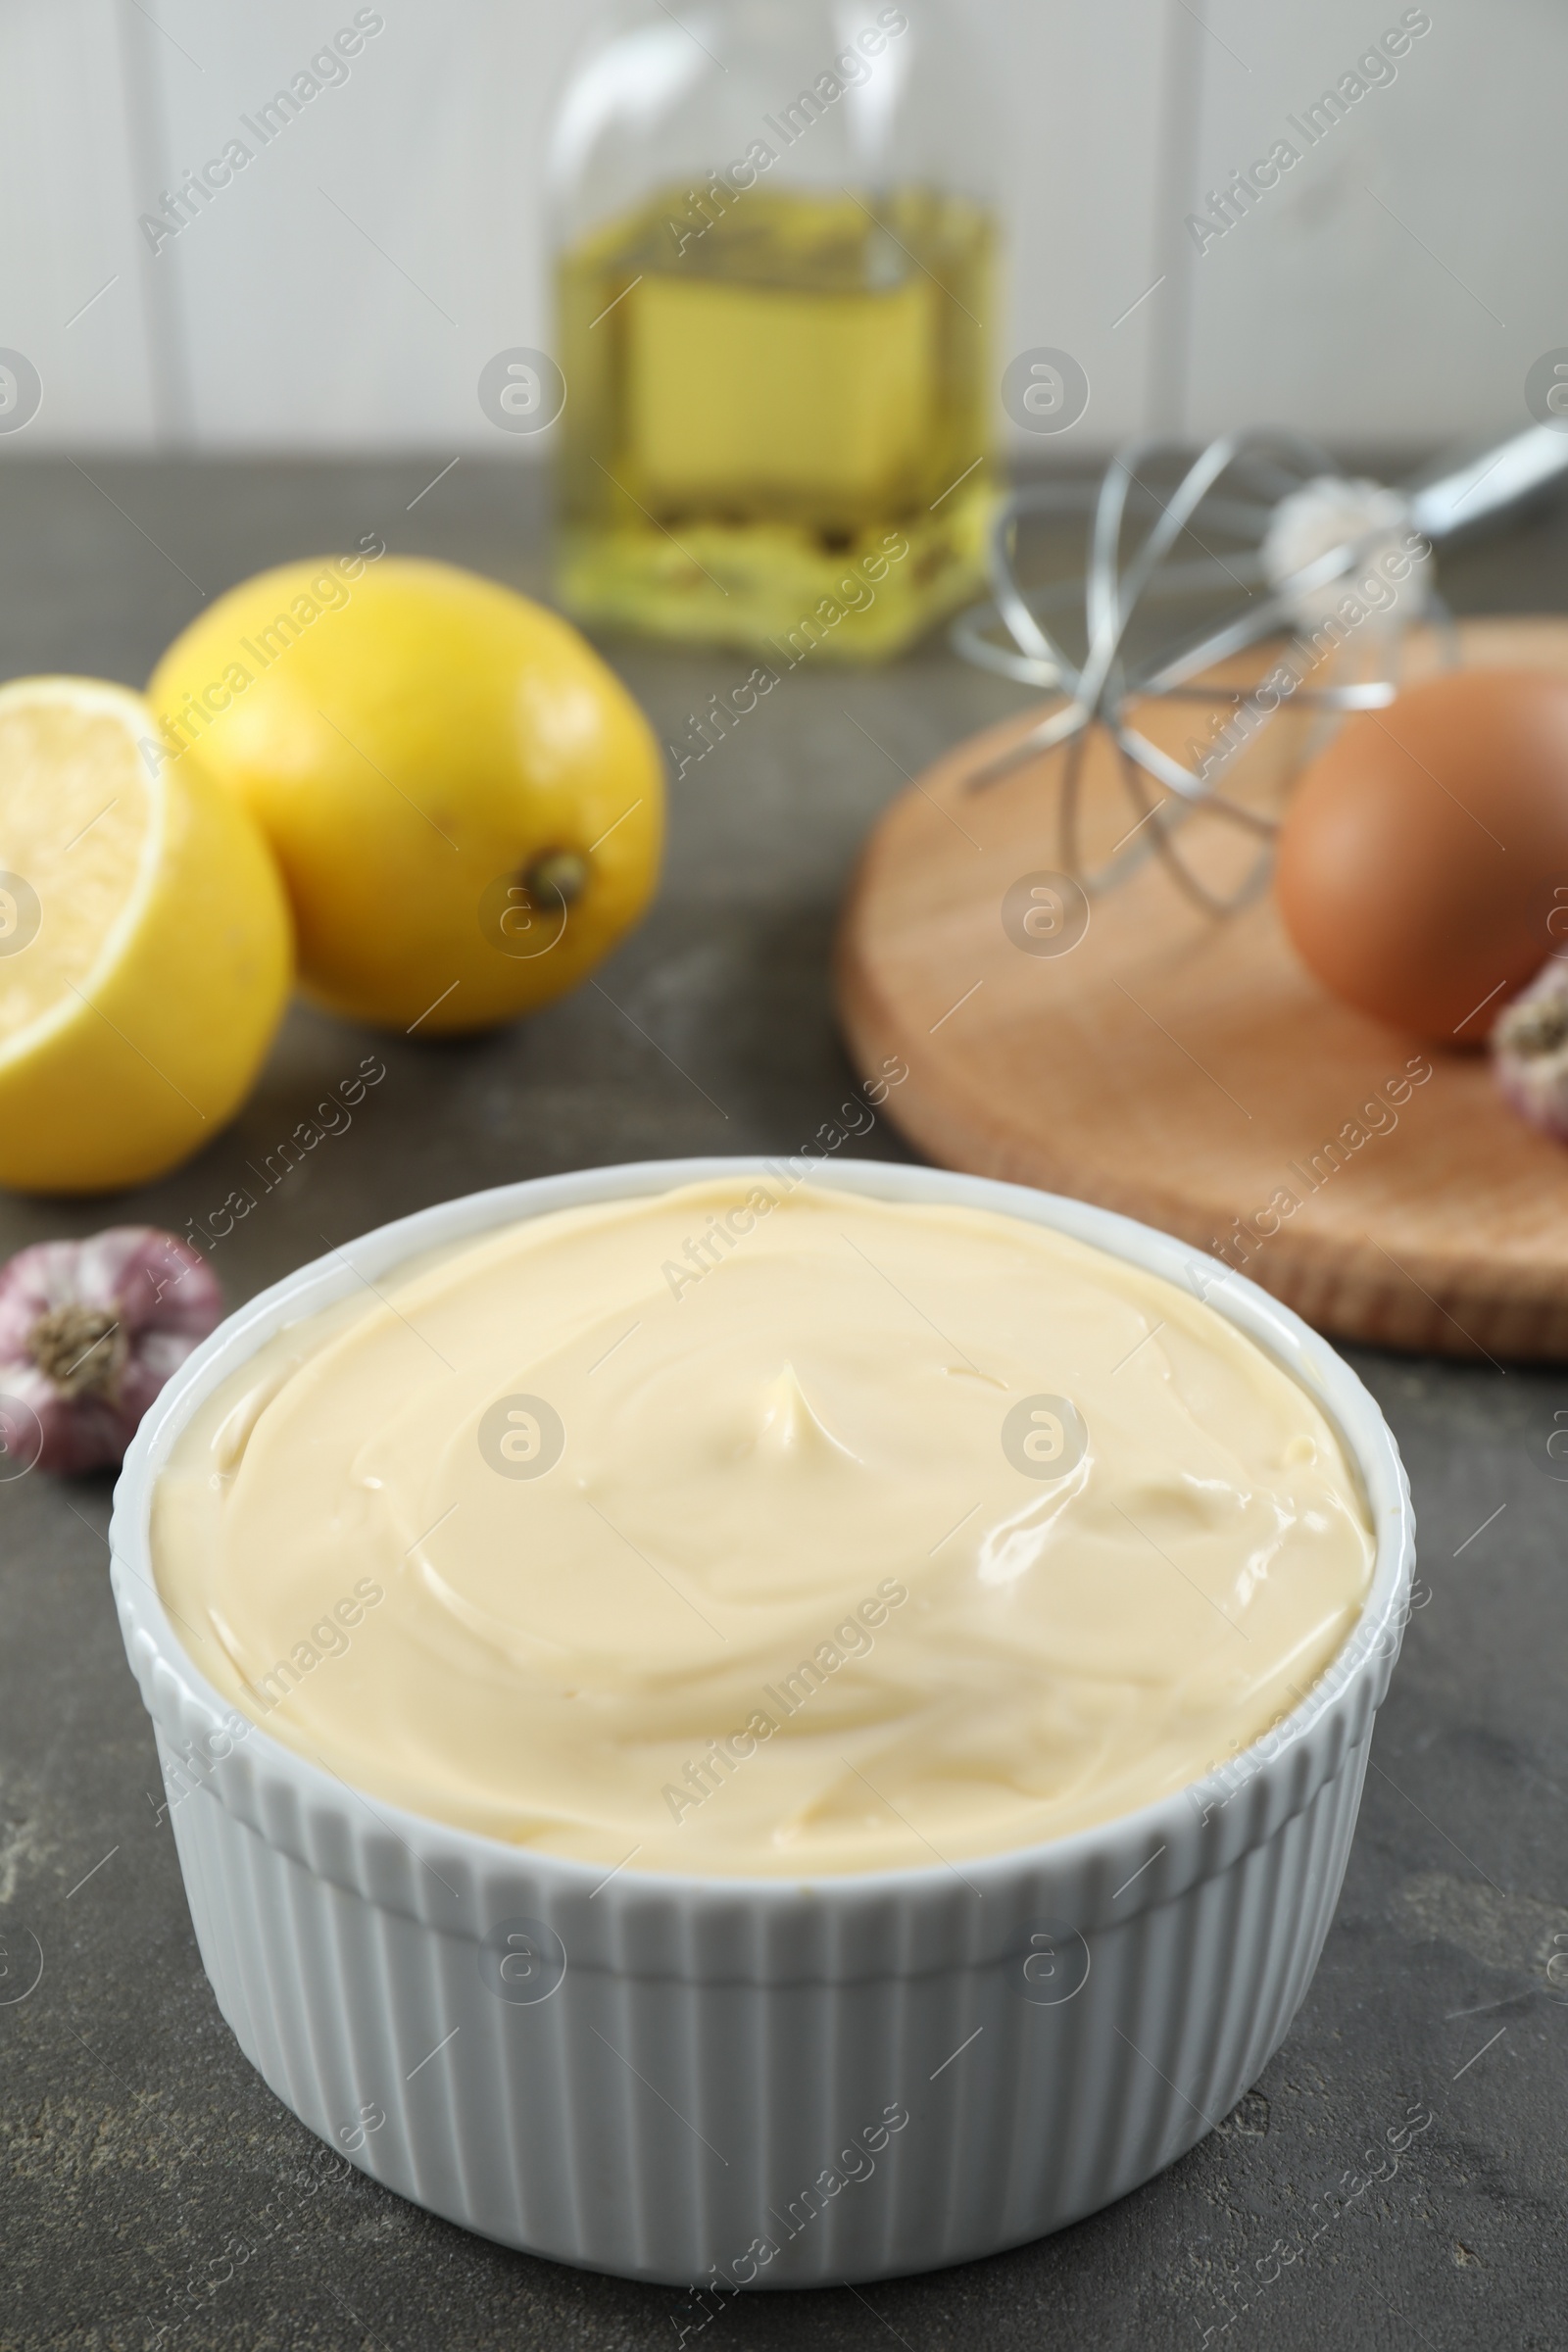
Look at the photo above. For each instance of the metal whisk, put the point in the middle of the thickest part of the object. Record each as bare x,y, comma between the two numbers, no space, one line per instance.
1283,498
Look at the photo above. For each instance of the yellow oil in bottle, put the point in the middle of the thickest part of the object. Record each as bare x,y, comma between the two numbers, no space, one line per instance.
777,429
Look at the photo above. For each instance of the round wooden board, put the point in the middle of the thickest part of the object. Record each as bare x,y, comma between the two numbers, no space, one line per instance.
1188,1071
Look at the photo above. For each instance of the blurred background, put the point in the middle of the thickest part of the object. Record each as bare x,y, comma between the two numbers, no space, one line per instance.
345,291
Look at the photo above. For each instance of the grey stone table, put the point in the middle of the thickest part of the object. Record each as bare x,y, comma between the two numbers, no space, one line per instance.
152,2181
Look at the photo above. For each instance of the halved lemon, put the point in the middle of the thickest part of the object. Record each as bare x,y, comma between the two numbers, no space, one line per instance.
145,946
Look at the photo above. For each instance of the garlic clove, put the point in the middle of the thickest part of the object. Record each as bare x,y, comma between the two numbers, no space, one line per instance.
1530,1051
89,1333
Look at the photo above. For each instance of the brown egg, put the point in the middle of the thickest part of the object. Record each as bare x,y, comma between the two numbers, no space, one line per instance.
1423,856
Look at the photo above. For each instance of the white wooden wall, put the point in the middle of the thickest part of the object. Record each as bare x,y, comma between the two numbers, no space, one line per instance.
345,290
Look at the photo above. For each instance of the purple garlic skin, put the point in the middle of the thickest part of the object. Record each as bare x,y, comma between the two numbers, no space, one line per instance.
1530,1051
89,1333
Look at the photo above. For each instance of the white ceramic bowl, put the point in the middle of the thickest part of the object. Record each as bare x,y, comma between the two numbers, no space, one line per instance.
753,2082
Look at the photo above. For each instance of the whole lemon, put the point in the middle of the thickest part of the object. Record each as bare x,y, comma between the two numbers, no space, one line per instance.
144,944
467,805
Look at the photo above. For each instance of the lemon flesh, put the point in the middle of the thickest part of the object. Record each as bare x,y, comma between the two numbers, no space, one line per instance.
465,803
145,952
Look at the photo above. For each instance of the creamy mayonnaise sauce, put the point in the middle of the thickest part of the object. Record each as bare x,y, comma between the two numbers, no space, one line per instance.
763,1528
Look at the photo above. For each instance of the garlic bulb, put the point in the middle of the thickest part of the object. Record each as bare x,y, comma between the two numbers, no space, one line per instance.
89,1332
1530,1051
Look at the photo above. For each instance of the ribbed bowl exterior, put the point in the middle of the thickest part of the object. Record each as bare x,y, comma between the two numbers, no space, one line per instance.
725,2082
